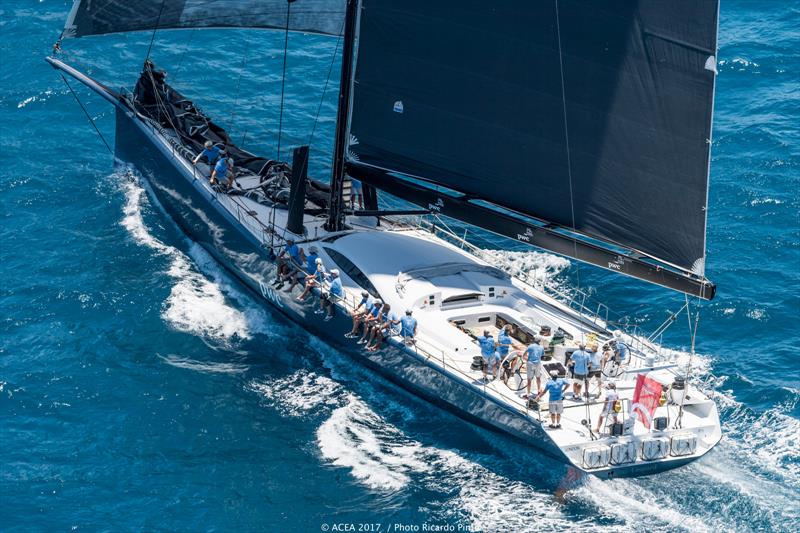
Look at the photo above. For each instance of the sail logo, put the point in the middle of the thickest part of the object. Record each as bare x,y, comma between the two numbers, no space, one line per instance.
270,294
437,206
398,107
616,264
525,237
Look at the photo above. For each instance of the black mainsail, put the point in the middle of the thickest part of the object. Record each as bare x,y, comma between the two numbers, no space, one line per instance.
594,116
581,127
96,17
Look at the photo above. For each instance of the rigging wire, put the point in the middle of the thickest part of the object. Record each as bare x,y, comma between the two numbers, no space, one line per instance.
183,55
283,78
88,116
239,80
155,29
325,88
566,135
693,333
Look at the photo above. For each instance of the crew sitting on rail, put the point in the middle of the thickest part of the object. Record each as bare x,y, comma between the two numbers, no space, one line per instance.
408,327
488,352
334,293
609,407
579,362
223,170
555,389
533,363
363,307
389,326
209,154
309,270
313,280
359,320
289,260
375,317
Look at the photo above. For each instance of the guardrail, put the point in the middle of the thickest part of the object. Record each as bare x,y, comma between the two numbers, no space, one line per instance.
350,303
596,313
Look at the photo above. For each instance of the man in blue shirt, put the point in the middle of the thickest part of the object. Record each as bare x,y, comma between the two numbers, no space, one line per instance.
223,170
533,365
488,352
389,325
555,389
408,327
289,260
335,293
210,154
370,318
311,261
358,314
504,342
621,350
579,361
595,369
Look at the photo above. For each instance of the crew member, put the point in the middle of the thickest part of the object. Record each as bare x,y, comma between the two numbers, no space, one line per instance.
223,170
579,361
289,260
408,329
621,350
356,194
504,342
363,307
533,365
609,406
335,293
389,327
555,389
487,345
595,370
313,280
209,154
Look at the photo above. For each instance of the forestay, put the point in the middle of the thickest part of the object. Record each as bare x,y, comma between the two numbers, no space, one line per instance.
590,115
94,17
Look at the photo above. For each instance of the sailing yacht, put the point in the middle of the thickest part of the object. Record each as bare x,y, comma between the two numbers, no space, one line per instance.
581,128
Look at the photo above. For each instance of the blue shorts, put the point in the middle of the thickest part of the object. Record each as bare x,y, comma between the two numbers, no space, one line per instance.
355,186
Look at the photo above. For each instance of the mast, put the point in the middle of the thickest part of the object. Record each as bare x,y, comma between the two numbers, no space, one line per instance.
336,205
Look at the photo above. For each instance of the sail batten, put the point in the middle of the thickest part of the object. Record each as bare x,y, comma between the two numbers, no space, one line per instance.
95,17
479,96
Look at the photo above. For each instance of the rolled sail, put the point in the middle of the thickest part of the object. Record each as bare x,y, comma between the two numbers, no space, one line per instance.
94,17
593,115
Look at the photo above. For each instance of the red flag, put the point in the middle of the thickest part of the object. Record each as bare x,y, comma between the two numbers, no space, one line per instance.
646,397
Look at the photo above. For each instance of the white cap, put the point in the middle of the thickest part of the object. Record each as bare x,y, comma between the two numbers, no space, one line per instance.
617,334
335,272
318,261
208,144
554,373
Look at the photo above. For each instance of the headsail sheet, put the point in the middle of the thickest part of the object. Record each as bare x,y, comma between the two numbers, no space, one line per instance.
94,17
587,114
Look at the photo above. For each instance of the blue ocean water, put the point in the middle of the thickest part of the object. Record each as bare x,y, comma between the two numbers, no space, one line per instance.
142,389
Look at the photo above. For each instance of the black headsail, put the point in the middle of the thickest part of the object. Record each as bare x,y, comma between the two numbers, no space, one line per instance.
592,116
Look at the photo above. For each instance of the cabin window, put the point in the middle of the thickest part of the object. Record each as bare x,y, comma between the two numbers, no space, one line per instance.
485,319
352,271
461,298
